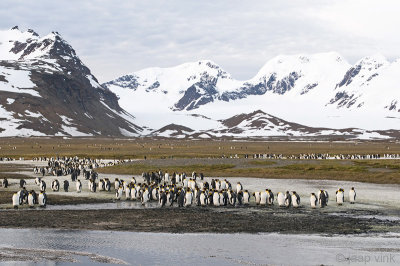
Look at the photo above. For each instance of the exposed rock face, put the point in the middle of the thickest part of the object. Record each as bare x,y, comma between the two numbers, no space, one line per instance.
59,96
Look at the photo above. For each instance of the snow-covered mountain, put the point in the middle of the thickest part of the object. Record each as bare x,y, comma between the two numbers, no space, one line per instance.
319,90
45,89
259,125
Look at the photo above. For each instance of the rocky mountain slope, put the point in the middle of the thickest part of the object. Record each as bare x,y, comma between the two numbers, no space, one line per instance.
45,89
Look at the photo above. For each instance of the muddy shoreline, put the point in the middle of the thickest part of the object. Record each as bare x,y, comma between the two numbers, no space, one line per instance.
202,220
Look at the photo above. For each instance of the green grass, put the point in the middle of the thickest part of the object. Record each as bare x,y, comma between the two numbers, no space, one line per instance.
261,162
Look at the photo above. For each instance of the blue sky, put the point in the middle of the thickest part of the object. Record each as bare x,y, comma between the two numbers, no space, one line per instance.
119,37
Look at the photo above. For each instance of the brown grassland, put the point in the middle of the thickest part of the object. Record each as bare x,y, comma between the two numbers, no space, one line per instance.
206,157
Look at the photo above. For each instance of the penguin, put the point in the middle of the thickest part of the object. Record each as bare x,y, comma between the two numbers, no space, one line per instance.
217,184
31,200
223,198
55,185
203,198
42,185
145,196
239,187
181,198
16,200
66,185
78,186
281,199
37,181
117,184
134,192
42,199
246,197
107,184
352,195
118,193
232,199
22,183
5,182
321,198
313,200
288,199
295,199
188,198
102,185
271,197
257,197
216,198
239,197
163,199
340,196
262,198
128,192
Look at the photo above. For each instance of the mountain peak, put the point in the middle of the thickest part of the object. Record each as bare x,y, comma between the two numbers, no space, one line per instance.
15,28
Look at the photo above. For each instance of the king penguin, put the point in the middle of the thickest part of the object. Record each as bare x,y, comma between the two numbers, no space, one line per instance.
352,195
313,200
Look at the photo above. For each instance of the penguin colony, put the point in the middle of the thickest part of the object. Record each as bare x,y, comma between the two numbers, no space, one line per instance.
162,187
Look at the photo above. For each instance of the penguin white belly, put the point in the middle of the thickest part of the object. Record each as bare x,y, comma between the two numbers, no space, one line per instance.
294,201
30,200
146,196
246,198
133,193
42,200
78,186
313,200
281,199
203,199
339,198
238,188
127,193
352,196
257,196
15,200
263,198
216,199
188,199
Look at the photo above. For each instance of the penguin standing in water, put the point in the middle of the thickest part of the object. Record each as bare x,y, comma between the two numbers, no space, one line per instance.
281,199
16,200
246,197
66,185
352,195
42,199
288,199
313,200
295,199
22,183
340,196
322,198
102,185
78,186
